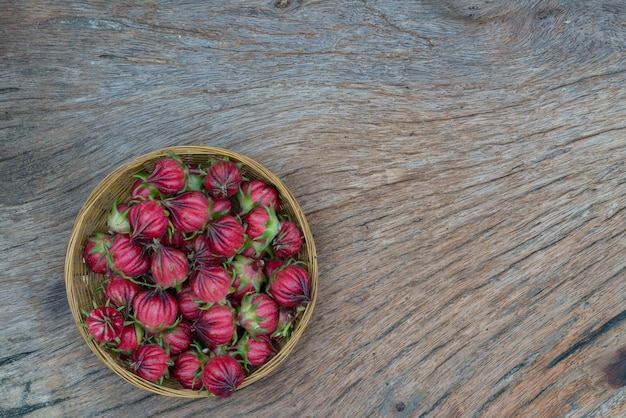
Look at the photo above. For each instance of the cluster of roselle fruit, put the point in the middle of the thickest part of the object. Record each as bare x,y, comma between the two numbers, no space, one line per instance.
203,281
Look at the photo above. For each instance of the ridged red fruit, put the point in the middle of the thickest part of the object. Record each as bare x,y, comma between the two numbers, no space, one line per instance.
225,235
169,175
169,266
290,285
216,325
104,323
187,369
223,179
221,375
127,257
189,211
150,362
155,309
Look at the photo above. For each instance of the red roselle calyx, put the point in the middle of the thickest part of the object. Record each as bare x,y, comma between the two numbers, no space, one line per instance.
130,338
221,375
256,192
199,251
117,220
120,292
223,179
210,284
290,285
225,235
216,325
188,369
256,350
178,339
155,309
150,362
187,305
249,250
249,277
174,239
169,266
143,191
219,207
169,175
286,319
272,265
261,225
189,211
97,251
104,323
128,258
288,241
258,314
148,220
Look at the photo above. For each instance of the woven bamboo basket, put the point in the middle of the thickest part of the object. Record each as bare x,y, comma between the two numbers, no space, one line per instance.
81,283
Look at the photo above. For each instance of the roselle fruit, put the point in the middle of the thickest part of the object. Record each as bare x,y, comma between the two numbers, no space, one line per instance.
249,277
155,309
261,225
187,369
120,292
223,179
290,285
288,240
187,305
127,257
169,266
221,375
286,320
249,250
216,325
130,338
198,250
256,192
117,219
96,252
255,351
258,314
148,220
141,190
225,235
209,283
174,239
189,211
219,207
169,175
178,339
150,361
272,265
104,323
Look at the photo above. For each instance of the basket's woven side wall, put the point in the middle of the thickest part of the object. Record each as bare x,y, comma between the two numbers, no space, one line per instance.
81,284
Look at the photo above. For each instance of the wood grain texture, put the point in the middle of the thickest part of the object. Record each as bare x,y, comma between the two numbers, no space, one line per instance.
461,164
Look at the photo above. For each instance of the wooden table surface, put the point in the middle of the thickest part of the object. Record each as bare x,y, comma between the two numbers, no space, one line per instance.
461,164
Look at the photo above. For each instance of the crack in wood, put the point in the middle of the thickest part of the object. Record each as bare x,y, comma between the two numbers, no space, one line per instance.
589,339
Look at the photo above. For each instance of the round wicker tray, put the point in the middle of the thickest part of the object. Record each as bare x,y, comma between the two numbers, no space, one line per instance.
81,283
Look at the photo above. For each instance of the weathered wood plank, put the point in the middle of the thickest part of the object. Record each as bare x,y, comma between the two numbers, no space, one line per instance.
461,165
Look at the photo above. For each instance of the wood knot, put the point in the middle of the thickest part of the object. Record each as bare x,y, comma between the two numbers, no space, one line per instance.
615,371
281,4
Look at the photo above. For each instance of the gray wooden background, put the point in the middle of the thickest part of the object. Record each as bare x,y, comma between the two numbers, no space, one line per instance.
461,164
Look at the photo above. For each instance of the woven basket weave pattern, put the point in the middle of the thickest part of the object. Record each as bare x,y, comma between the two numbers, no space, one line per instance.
81,283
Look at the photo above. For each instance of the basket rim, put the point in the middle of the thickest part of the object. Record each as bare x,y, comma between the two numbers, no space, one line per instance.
92,200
